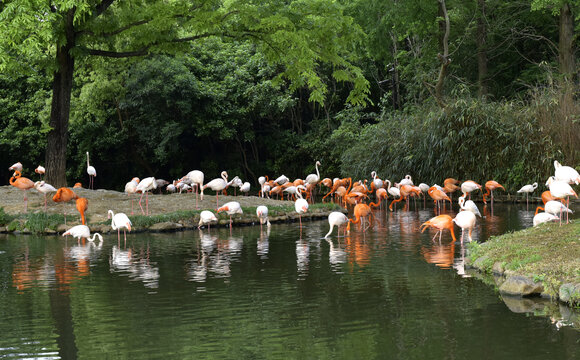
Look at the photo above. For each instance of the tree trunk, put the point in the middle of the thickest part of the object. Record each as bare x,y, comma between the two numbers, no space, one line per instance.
60,108
443,58
481,50
566,42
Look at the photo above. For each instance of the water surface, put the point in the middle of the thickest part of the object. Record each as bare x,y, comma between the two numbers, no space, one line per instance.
387,293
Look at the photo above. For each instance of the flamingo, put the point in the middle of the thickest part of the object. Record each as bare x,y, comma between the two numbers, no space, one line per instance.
377,183
82,231
406,181
262,213
92,172
231,208
64,195
336,218
547,196
78,186
566,173
468,205
437,195
561,190
144,187
361,211
262,180
543,217
16,167
528,189
301,206
245,188
490,186
440,223
44,188
313,178
281,180
236,182
217,185
131,188
23,184
465,220
119,221
82,205
392,190
467,187
424,189
380,195
449,186
206,217
40,170
554,207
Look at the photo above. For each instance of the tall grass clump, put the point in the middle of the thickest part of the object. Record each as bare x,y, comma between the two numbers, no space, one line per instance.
38,222
5,218
470,139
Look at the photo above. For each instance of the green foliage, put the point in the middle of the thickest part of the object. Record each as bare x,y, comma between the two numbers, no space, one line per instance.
5,218
38,222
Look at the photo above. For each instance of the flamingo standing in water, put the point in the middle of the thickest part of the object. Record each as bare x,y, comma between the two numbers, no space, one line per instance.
490,186
206,217
424,189
119,221
64,195
440,223
465,219
361,211
336,218
82,205
262,213
144,187
131,188
469,186
44,188
92,173
23,184
217,185
438,195
528,189
231,208
301,207
82,231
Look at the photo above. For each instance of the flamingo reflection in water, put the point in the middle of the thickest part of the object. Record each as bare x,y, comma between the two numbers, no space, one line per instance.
442,255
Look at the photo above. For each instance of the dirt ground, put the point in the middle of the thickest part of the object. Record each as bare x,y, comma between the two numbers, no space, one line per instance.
100,201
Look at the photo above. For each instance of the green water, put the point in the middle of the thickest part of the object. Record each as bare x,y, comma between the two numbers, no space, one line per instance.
387,293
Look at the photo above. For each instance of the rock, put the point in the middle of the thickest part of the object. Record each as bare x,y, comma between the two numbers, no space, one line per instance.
62,228
165,226
520,286
524,305
478,264
2,229
497,268
48,231
569,292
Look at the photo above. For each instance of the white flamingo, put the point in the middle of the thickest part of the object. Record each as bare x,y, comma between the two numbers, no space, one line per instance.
467,187
131,188
144,187
16,167
561,190
82,231
119,221
231,208
566,173
262,213
44,188
300,205
91,171
206,217
543,217
408,180
336,218
528,189
245,188
217,185
40,170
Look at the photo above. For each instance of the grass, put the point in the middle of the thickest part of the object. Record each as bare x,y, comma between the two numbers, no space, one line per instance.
5,218
549,253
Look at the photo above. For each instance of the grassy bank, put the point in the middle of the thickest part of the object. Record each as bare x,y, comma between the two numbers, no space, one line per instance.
548,253
38,223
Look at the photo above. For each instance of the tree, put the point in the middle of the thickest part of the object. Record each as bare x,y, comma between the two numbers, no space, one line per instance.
57,36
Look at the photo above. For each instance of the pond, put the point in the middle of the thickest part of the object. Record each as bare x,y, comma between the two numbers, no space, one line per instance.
387,293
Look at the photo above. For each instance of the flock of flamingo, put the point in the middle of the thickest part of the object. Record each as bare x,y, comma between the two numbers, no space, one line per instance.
345,191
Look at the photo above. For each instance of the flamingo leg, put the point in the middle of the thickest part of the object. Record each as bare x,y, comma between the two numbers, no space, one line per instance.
141,206
147,202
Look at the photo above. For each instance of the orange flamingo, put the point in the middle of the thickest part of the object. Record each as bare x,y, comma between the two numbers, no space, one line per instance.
64,195
438,195
490,186
82,206
406,191
360,211
547,196
23,184
381,194
450,185
338,183
440,223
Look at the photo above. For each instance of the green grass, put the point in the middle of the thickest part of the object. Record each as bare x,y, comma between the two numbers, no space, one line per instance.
549,252
38,222
5,218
